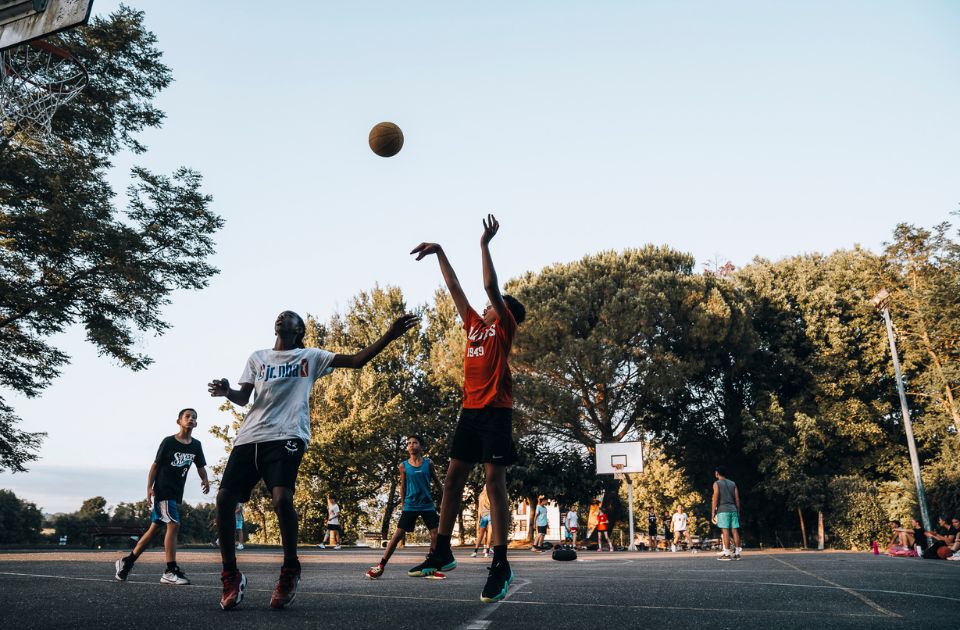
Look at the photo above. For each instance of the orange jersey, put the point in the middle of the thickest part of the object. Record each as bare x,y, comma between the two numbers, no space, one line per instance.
602,522
486,371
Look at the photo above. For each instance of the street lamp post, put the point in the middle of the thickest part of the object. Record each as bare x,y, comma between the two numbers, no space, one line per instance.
881,301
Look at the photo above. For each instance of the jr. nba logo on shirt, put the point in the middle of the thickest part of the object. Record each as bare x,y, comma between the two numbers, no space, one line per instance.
284,370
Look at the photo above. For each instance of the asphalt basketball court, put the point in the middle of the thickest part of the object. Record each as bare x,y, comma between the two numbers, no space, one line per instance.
609,591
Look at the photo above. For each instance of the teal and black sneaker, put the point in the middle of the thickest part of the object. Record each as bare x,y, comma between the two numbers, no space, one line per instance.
499,579
435,562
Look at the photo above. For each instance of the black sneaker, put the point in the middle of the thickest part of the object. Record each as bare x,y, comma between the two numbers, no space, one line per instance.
123,569
435,562
499,579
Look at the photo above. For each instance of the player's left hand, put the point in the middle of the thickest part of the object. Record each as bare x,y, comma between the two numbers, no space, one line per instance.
205,485
401,325
490,227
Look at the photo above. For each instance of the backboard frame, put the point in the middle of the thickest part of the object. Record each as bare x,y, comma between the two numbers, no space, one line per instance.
611,454
20,22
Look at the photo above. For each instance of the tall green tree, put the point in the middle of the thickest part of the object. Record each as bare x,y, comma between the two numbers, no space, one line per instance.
20,521
70,254
633,345
923,267
360,418
826,403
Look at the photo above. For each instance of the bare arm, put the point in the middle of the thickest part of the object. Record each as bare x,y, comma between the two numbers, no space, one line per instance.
400,326
151,478
736,496
715,500
204,482
403,484
221,387
449,277
490,283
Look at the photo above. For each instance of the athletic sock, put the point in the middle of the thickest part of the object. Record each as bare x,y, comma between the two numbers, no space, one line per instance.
230,566
499,554
131,558
383,562
291,563
171,566
443,543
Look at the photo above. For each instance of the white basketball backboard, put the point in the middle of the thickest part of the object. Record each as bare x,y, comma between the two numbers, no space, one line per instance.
610,455
25,20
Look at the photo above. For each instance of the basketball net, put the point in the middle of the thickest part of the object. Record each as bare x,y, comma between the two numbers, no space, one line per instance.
35,79
619,474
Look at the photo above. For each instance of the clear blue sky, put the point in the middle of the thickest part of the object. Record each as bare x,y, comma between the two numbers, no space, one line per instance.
727,130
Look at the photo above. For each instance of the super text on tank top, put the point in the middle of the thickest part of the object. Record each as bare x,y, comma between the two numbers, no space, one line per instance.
486,369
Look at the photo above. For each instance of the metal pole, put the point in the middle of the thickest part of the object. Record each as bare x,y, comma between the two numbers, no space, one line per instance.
633,544
908,427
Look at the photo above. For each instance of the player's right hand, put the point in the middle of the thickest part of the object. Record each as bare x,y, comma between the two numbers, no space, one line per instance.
425,249
218,387
150,496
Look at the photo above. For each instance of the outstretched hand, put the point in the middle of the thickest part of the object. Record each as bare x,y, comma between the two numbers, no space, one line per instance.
490,227
425,249
218,387
401,325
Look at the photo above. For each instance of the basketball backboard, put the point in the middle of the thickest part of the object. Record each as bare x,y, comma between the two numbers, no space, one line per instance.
25,20
619,457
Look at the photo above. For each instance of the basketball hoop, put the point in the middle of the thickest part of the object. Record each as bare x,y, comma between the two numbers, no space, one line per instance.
35,79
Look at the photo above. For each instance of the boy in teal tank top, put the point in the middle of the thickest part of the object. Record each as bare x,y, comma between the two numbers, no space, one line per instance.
416,474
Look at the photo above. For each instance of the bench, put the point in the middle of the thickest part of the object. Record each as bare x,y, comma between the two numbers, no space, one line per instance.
113,531
374,539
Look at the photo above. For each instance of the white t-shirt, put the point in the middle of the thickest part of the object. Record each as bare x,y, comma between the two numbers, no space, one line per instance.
282,380
572,519
679,522
333,514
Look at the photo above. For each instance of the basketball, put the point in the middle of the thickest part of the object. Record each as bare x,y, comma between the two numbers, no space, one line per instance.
386,139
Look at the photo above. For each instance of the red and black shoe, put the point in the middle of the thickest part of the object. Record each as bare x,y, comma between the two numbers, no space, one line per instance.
234,584
286,589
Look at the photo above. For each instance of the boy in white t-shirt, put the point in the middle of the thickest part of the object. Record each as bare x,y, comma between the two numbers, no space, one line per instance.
333,524
273,437
572,523
679,523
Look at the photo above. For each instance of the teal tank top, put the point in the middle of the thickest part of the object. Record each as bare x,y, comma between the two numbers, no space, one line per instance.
418,497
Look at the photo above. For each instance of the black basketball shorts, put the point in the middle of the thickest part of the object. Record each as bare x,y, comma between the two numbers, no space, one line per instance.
276,462
485,436
408,519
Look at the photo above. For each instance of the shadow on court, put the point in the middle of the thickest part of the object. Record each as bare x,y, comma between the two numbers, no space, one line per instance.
621,590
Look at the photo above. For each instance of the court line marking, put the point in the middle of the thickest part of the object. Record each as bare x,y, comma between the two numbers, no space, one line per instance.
866,600
480,622
473,601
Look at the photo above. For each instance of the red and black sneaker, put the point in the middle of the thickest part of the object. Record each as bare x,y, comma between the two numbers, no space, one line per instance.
234,584
286,589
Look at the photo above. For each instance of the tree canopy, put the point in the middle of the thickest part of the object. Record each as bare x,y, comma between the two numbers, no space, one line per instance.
70,253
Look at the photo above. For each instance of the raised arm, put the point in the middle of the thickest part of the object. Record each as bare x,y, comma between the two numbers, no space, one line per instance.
490,283
221,387
397,329
449,277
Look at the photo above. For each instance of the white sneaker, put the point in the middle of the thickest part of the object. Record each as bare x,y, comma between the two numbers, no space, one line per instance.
337,547
673,548
240,547
736,552
955,556
474,554
725,555
174,577
321,546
